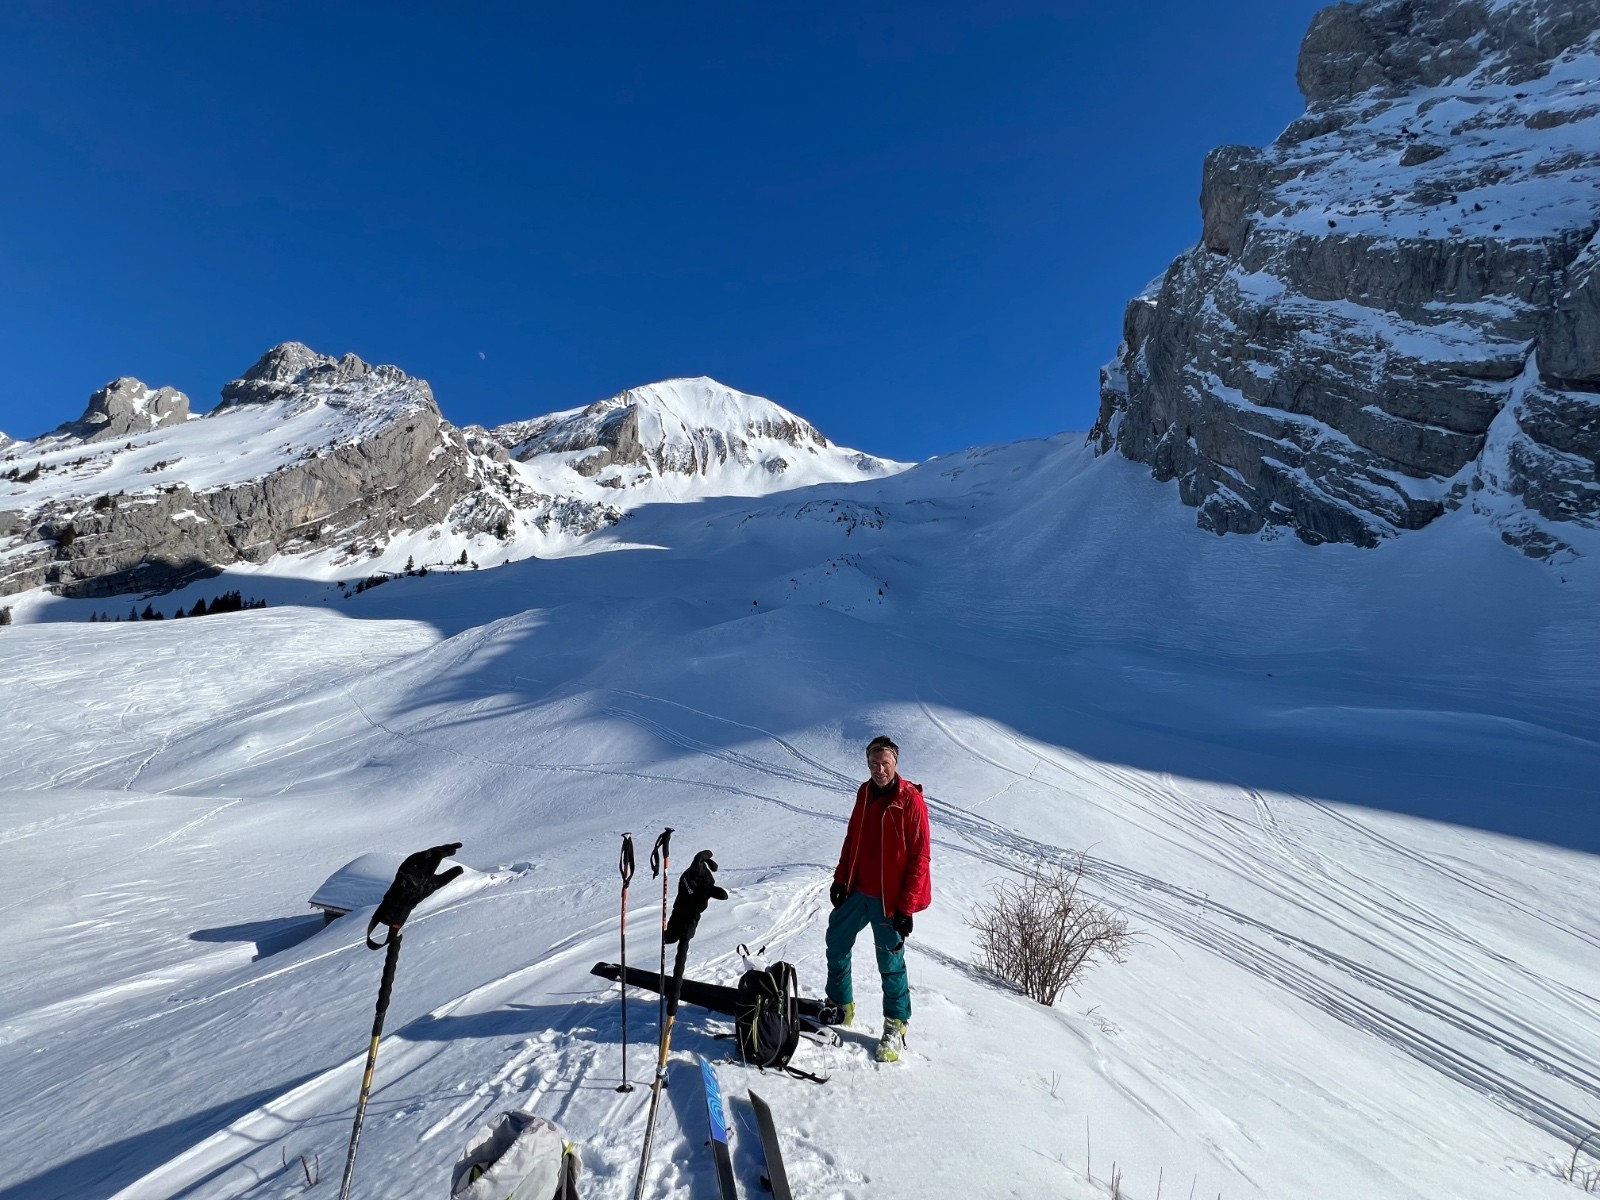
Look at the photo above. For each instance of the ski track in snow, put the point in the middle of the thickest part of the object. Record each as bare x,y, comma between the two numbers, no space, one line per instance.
1174,909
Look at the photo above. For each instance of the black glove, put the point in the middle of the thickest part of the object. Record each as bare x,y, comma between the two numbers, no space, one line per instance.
413,883
696,888
902,925
838,893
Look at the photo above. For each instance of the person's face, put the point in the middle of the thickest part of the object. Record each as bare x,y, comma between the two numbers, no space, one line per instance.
882,764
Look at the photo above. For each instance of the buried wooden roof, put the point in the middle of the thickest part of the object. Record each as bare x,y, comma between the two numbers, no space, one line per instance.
360,883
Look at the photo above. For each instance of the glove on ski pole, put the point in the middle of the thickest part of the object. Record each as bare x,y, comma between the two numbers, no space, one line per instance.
413,883
696,889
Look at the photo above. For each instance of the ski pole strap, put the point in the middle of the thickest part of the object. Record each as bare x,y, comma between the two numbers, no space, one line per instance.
659,852
625,861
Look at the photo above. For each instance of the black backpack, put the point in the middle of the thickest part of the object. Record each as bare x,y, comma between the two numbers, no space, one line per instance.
766,1020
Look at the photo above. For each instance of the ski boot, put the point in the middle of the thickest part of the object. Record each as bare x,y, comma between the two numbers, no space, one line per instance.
893,1042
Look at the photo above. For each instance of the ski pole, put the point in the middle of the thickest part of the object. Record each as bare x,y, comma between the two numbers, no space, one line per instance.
625,866
671,1002
390,959
659,863
413,883
697,888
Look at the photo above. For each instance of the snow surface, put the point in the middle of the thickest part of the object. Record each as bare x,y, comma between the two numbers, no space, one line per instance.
1345,794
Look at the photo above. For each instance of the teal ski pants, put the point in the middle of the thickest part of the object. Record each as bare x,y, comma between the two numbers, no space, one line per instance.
844,926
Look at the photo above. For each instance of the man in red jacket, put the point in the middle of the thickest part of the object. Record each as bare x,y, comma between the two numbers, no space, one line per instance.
881,880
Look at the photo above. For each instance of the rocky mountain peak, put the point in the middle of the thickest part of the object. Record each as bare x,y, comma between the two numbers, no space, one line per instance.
123,408
293,370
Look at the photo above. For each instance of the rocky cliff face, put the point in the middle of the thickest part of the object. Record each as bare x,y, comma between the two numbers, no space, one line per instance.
1393,310
305,452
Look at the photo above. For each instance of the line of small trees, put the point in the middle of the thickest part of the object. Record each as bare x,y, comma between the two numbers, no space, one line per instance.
225,603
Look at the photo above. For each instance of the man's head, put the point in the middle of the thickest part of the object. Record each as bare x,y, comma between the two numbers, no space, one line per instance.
883,760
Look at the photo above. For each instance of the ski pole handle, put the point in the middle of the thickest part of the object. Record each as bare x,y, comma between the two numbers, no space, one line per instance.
659,852
625,860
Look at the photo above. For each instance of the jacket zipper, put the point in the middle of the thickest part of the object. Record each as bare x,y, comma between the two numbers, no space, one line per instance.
856,849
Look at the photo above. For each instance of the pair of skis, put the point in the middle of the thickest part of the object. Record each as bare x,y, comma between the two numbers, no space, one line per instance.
776,1178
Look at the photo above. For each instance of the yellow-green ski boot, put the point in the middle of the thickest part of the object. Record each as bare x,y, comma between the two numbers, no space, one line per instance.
893,1042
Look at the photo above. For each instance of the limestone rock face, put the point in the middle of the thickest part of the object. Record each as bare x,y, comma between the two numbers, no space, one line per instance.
125,407
1393,310
305,452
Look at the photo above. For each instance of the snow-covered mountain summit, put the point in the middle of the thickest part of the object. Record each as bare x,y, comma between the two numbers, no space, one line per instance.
1393,311
689,434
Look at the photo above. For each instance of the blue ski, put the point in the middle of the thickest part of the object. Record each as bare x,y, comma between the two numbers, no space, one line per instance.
718,1116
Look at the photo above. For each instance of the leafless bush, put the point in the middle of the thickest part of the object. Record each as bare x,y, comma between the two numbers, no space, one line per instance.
311,1168
1586,1177
1040,932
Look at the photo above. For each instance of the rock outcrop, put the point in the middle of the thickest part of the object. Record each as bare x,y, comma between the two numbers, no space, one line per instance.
124,408
1394,310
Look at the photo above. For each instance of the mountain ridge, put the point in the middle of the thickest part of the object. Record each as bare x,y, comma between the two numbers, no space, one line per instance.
308,455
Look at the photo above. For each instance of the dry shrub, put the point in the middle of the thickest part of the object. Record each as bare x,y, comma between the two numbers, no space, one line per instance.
1040,932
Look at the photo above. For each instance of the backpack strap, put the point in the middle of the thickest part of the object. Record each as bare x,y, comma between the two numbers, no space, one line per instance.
790,1069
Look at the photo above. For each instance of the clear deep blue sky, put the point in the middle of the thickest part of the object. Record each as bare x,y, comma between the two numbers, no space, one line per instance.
917,225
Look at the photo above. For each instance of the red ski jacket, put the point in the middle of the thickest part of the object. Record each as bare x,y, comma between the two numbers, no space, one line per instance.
907,887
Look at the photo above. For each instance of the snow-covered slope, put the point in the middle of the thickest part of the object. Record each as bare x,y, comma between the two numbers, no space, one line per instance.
683,438
1343,793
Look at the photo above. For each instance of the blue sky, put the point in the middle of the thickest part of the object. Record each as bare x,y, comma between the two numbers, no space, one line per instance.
916,225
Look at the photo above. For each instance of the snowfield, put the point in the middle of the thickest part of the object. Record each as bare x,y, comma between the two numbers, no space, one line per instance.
1346,796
